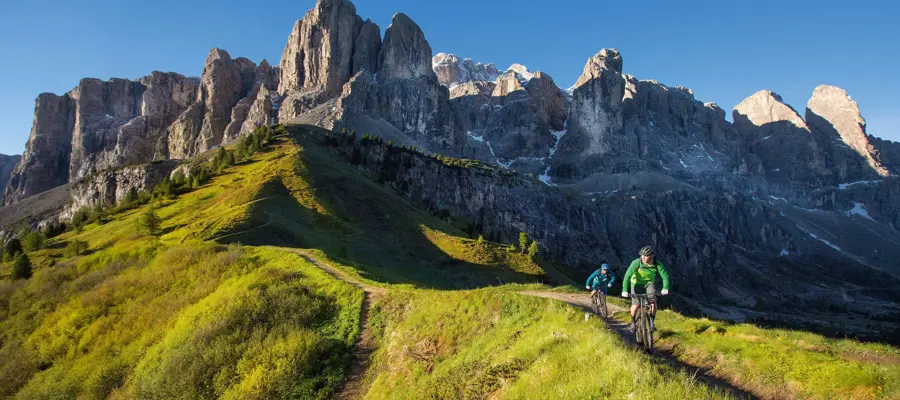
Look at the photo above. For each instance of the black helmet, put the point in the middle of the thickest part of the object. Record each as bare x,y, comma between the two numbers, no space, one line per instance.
647,251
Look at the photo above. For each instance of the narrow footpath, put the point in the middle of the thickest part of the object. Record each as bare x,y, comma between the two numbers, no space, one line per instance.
355,386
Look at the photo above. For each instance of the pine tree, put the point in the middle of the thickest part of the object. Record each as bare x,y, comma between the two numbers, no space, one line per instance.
149,222
12,249
480,241
22,267
523,241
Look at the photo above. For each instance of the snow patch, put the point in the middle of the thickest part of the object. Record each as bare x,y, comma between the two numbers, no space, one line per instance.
545,177
784,252
859,209
813,235
778,198
477,138
682,163
767,137
844,186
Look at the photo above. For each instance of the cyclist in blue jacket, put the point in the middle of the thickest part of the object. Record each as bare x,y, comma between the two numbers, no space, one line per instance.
601,280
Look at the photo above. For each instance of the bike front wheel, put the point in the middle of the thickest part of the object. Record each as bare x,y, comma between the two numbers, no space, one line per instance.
602,310
648,334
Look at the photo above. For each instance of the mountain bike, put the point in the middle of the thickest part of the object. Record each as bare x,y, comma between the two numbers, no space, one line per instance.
598,303
643,334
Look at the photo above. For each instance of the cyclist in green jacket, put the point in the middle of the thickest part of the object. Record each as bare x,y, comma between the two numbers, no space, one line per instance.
641,276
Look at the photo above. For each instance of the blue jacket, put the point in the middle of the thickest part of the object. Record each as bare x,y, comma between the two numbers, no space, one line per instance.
598,279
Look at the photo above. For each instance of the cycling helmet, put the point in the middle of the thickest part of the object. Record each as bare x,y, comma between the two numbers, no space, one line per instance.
647,251
604,267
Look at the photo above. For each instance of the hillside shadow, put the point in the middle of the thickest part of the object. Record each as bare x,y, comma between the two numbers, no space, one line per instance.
359,223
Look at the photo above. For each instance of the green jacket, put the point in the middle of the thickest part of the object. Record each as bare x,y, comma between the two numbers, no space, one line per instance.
641,274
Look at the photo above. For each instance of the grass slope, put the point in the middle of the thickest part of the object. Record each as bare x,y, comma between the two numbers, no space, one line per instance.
496,343
777,363
193,314
188,315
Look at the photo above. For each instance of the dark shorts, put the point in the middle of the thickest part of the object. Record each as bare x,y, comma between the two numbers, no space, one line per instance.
649,290
602,288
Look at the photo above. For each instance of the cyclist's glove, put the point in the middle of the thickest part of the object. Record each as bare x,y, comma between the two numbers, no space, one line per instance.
664,292
625,294
587,287
610,285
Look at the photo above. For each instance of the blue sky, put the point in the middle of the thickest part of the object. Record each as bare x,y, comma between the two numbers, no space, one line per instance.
723,51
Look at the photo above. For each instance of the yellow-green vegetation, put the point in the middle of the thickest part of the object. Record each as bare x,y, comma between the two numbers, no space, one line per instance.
493,343
124,308
187,321
781,363
198,293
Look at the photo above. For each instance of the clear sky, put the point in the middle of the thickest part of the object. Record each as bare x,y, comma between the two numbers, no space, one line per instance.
723,50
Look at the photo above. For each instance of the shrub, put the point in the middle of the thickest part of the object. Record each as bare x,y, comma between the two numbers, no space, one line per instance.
523,241
533,249
54,229
32,241
75,248
80,218
22,267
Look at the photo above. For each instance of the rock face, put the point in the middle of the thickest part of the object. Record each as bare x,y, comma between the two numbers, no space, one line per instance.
523,119
835,118
257,108
7,164
320,55
722,244
595,117
222,86
409,95
119,122
618,124
45,163
451,71
775,132
516,114
110,186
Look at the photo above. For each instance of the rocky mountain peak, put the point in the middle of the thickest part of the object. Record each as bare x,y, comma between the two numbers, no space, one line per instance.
521,71
452,71
604,60
766,107
507,85
834,115
405,54
318,55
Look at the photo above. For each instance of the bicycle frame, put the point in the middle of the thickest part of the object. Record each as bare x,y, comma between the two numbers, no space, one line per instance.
598,301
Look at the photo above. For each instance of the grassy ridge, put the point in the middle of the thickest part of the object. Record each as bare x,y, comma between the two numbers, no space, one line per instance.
183,316
782,363
495,343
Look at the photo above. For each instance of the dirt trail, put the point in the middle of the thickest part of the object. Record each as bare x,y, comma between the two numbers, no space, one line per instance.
583,300
355,386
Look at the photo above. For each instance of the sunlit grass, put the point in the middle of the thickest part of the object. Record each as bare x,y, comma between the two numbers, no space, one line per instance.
493,343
